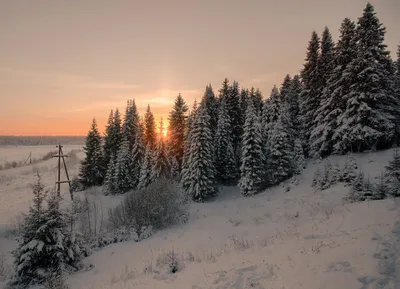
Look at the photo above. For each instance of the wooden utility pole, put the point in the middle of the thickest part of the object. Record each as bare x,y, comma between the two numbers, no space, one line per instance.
60,156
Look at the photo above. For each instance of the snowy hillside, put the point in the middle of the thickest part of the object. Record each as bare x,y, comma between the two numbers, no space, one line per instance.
301,238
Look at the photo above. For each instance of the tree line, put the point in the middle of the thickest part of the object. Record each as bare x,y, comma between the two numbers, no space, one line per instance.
345,99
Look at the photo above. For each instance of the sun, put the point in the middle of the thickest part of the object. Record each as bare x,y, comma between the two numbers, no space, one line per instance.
165,133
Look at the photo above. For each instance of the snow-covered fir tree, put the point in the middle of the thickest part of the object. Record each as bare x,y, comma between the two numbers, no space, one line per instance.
160,168
113,137
271,111
131,121
397,93
124,177
145,170
335,174
357,188
232,104
211,104
109,185
293,100
326,64
176,130
47,247
280,149
299,160
185,173
138,152
225,162
310,98
286,88
333,98
252,167
244,96
201,180
326,61
392,174
367,121
149,133
92,171
258,102
350,169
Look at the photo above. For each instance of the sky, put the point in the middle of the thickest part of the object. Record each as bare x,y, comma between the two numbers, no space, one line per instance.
64,62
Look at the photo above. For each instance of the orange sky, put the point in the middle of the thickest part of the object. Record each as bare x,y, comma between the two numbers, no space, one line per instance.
64,62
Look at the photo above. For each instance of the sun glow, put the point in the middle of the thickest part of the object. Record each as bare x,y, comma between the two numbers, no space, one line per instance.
165,132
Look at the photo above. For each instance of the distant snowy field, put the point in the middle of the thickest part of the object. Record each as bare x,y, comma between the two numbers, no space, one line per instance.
301,238
10,153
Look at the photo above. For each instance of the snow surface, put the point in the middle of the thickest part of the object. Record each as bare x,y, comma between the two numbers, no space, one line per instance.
299,238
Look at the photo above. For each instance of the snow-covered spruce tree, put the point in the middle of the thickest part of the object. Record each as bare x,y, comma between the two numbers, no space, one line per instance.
299,160
149,133
225,164
381,190
185,173
131,121
145,170
244,96
392,174
211,104
124,176
91,171
293,100
310,99
397,93
232,104
335,173
176,130
271,111
47,248
201,179
161,167
280,150
357,189
258,102
175,173
252,167
367,121
109,185
113,137
350,169
286,88
326,64
138,152
333,98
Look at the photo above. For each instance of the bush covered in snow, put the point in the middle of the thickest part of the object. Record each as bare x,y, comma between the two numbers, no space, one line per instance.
157,206
48,247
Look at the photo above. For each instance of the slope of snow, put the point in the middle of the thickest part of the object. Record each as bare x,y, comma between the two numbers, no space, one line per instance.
301,238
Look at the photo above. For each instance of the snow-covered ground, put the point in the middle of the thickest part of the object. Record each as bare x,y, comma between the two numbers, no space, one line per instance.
10,153
299,238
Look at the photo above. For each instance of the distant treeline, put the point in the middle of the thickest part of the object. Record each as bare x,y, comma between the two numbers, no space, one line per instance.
42,140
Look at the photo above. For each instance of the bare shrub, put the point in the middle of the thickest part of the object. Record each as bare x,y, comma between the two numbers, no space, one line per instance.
157,206
241,244
171,260
235,223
